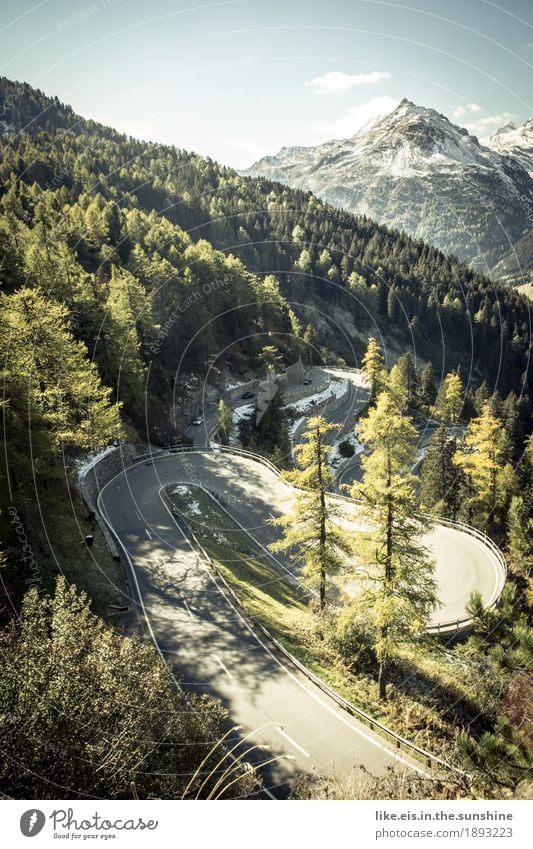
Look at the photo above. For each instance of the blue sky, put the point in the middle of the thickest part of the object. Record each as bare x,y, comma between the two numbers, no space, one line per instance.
235,80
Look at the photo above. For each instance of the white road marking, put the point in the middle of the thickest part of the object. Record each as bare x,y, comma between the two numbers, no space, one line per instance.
293,742
148,534
357,729
330,709
224,667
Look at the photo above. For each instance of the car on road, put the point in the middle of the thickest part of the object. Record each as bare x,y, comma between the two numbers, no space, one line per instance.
247,396
199,420
307,382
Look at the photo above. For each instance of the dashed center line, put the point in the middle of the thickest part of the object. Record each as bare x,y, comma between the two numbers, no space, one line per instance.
148,534
223,666
293,742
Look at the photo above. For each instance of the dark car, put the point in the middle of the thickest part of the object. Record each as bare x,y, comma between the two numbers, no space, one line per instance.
248,395
307,382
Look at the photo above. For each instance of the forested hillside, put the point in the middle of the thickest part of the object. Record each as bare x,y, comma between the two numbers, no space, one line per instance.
124,263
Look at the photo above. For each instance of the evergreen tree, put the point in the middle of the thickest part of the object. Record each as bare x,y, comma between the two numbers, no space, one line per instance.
398,590
226,425
481,396
56,402
373,367
128,312
427,383
520,537
270,357
365,298
271,435
401,382
450,399
311,528
87,712
441,479
482,458
408,377
310,353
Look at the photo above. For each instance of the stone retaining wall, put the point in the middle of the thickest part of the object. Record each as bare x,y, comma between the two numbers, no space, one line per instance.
94,479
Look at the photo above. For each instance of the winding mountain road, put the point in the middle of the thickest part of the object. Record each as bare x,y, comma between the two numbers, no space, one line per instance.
208,642
213,648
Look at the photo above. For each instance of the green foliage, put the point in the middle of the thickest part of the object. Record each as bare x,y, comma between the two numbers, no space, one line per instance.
225,421
310,528
520,536
497,758
441,478
80,225
483,459
55,401
450,399
271,435
346,449
395,572
373,366
84,711
352,639
270,358
427,386
268,226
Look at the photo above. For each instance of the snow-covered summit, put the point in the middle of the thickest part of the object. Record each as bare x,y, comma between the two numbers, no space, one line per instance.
415,170
515,141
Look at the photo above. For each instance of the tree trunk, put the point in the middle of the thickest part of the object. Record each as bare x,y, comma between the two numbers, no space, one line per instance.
382,673
382,678
322,542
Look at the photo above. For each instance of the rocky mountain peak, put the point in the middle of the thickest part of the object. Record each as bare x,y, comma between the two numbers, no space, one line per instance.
416,170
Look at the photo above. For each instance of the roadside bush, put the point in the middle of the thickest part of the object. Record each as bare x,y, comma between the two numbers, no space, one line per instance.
346,449
87,712
351,639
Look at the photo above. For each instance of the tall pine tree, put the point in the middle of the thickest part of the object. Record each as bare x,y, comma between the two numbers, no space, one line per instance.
397,585
311,528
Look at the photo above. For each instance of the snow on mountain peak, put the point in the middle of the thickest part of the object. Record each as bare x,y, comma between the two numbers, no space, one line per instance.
515,141
416,170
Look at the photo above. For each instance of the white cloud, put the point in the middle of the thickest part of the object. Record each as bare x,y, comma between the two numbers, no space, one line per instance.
355,118
468,109
489,123
336,82
478,126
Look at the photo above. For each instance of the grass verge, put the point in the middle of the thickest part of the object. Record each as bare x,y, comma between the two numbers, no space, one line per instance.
428,702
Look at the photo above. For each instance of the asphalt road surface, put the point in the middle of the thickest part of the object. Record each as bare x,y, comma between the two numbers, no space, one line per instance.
211,646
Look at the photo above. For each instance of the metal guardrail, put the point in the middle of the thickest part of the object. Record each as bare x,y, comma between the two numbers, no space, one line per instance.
458,625
373,723
450,628
462,625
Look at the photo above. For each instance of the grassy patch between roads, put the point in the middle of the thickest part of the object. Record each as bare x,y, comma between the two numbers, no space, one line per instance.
429,701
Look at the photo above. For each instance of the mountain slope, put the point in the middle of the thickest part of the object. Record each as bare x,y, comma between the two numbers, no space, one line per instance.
124,212
418,172
516,266
155,269
516,142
